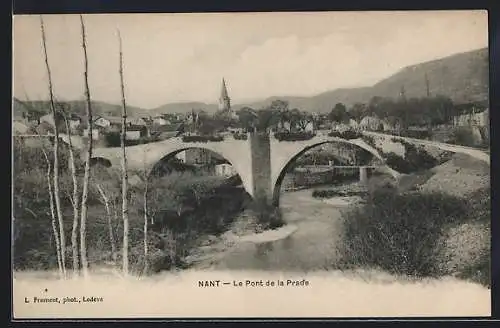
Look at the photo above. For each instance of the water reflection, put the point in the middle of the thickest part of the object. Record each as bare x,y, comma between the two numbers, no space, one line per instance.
310,247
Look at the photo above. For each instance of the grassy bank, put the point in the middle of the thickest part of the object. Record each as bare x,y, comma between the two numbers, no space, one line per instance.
425,226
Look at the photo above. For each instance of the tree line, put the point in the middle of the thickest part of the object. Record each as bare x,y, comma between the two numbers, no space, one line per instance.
401,112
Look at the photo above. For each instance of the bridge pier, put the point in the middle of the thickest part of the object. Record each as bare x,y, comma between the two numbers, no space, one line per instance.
363,174
260,147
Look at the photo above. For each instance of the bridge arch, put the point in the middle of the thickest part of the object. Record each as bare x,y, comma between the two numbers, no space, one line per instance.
246,180
145,157
284,163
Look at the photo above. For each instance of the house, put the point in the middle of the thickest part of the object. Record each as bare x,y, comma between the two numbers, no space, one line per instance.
472,119
353,123
74,121
49,119
372,123
160,120
96,133
225,170
309,127
136,121
19,128
135,132
165,131
106,122
44,128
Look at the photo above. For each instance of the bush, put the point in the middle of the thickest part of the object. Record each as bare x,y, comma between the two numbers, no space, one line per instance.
416,134
294,136
268,216
348,134
400,233
398,163
336,193
416,159
240,136
202,138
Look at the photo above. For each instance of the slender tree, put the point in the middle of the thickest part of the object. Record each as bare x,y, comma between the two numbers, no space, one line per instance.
86,177
55,177
145,199
125,192
53,215
106,202
74,198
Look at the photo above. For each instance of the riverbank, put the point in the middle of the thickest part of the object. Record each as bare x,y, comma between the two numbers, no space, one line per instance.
327,294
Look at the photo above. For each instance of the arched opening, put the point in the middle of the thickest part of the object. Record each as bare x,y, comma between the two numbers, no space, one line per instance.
324,163
191,195
211,177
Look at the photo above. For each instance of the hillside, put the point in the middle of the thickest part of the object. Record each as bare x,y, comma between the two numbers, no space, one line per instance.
462,77
77,106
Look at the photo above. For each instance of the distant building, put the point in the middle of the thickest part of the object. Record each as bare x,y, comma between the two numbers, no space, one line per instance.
309,127
225,170
133,134
96,133
225,102
472,119
49,119
371,123
160,120
74,121
108,122
136,121
19,128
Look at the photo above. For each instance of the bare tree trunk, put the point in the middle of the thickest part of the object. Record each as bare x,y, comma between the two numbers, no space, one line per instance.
146,260
57,197
86,177
74,235
110,226
125,194
53,216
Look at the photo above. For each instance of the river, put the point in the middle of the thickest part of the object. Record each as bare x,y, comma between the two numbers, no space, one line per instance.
310,247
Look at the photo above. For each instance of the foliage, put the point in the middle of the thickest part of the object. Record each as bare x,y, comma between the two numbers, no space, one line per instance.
240,136
464,136
400,233
348,134
195,138
336,193
339,114
294,136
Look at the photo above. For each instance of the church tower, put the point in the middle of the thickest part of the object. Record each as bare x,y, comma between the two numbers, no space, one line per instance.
224,100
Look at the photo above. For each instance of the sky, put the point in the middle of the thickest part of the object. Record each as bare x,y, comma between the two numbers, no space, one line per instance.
183,57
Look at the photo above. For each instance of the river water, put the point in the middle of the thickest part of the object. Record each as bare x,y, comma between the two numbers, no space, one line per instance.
310,247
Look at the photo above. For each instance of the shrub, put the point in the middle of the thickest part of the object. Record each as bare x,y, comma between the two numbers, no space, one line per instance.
202,138
240,136
335,134
416,134
336,193
398,163
268,216
348,134
294,136
400,233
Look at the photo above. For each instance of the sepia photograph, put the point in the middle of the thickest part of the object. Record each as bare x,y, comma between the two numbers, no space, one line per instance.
251,165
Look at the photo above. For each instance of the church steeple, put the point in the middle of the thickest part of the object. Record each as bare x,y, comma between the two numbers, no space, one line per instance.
224,100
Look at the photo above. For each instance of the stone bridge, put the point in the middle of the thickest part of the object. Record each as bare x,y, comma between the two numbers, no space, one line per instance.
386,140
261,161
